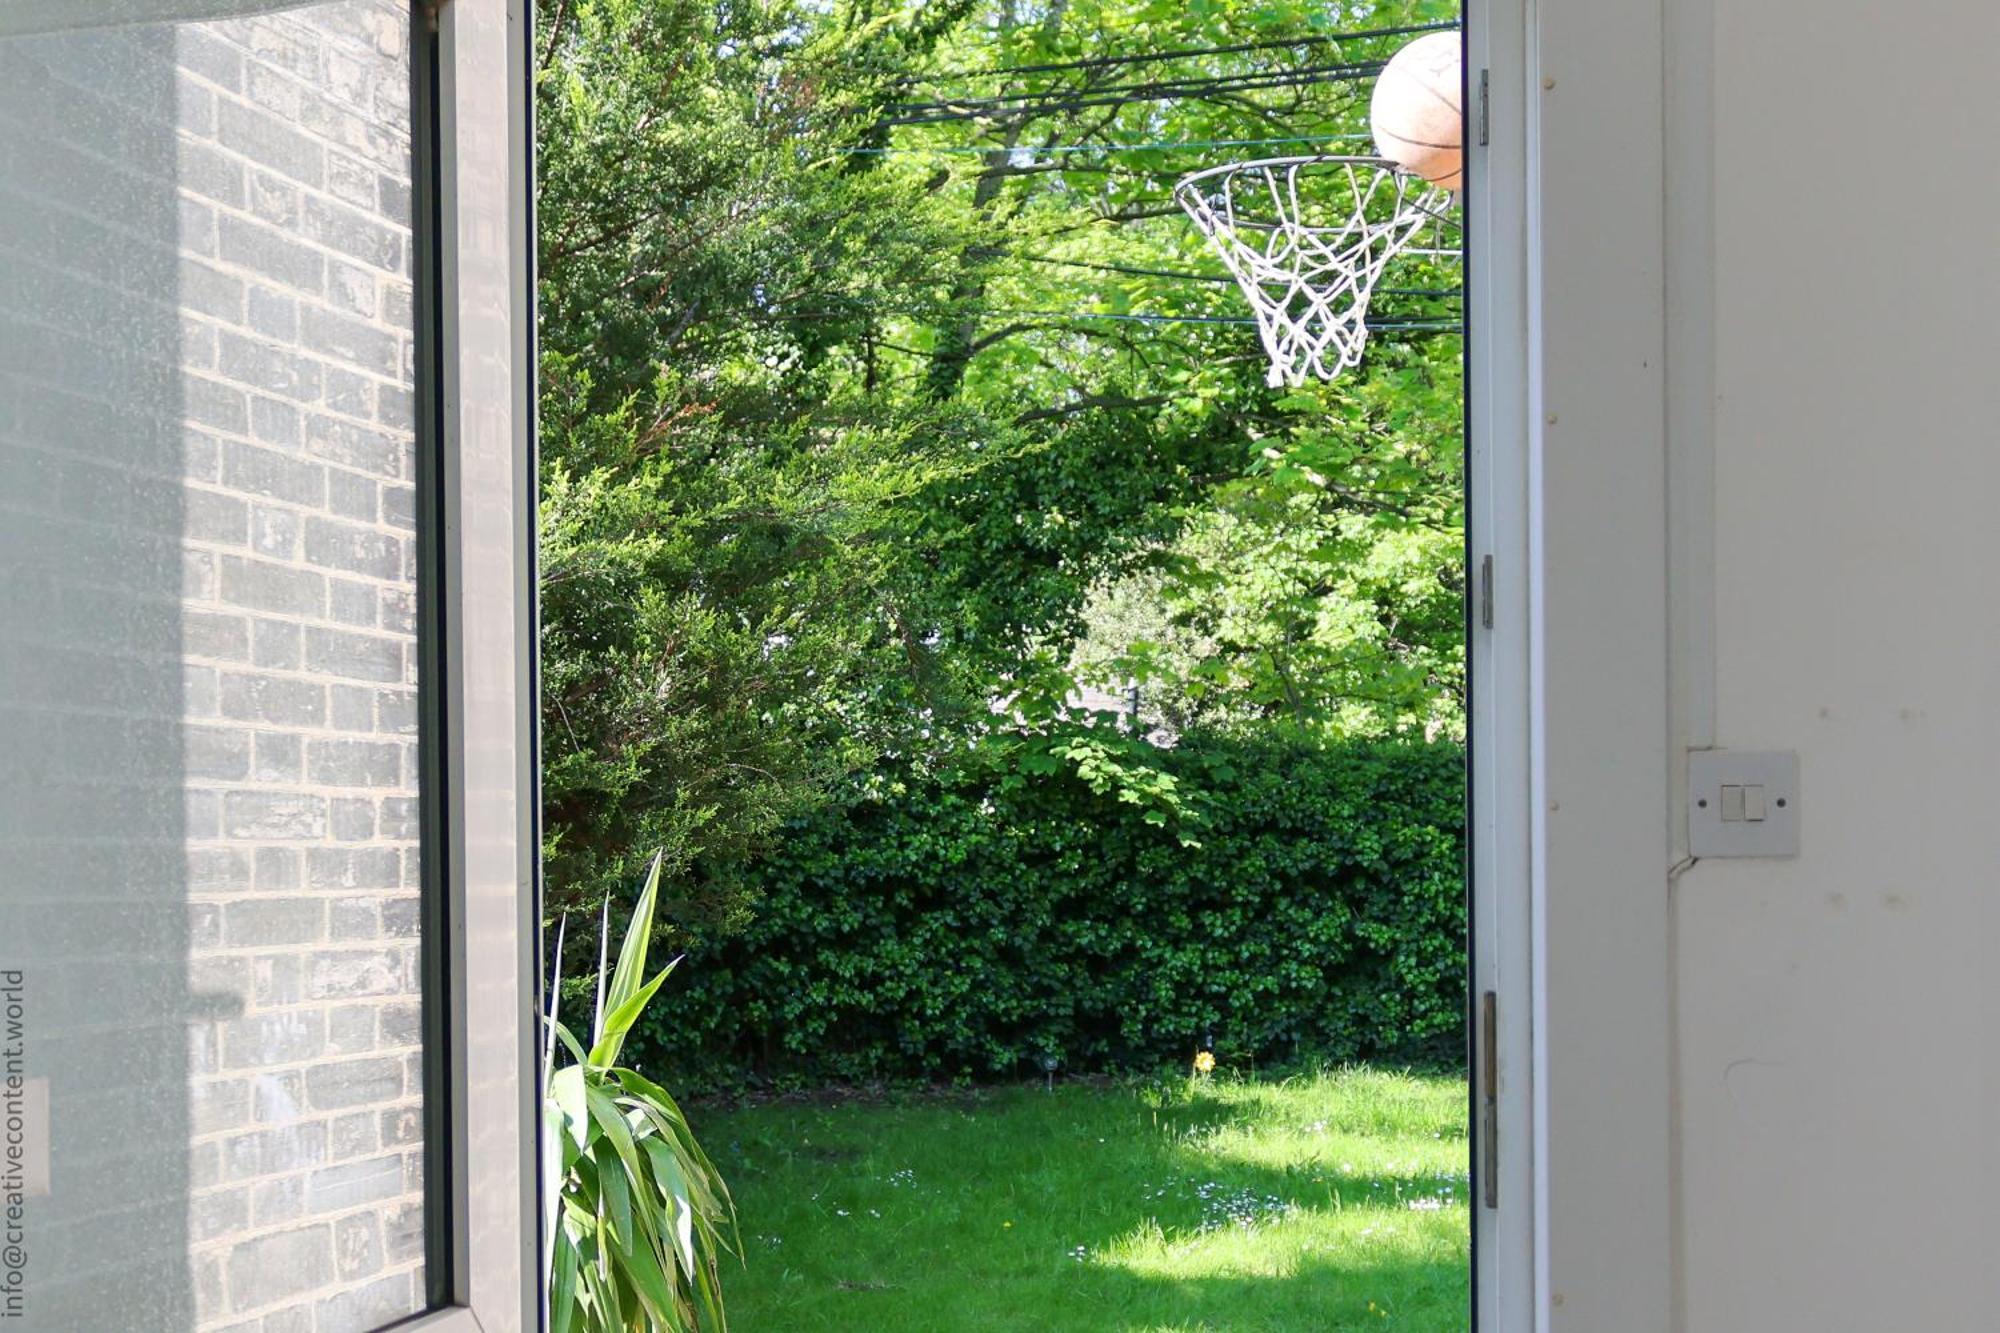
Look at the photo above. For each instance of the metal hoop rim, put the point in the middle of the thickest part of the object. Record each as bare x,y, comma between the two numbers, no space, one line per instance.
1225,169
1188,187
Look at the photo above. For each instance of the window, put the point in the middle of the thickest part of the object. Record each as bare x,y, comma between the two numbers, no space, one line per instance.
226,833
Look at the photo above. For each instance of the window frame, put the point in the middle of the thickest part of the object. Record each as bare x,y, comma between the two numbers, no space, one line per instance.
483,899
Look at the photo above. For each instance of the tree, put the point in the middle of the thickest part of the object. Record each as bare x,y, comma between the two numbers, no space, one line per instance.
869,357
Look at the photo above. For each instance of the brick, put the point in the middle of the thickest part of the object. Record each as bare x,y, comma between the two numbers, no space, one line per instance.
348,392
350,1030
275,200
273,314
352,868
399,817
204,931
354,233
208,403
209,516
353,708
204,170
216,635
403,1226
267,1152
197,343
211,1216
277,1201
279,980
276,644
201,814
355,550
266,586
402,1126
353,974
286,1037
353,656
274,532
198,578
353,763
273,422
268,922
263,250
352,288
349,1083
399,507
273,700
397,710
277,757
351,179
396,407
401,1025
268,1269
215,752
355,919
376,1305
213,1107
262,137
274,815
357,1246
351,495
347,1185
362,448
217,869
259,363
354,604
353,820
219,1213
401,918
197,227
207,292
278,1098
279,869
210,1295
261,472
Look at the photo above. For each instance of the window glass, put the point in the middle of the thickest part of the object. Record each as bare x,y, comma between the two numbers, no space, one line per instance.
211,1058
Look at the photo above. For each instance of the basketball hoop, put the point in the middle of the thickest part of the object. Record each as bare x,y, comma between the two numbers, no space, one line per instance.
1307,238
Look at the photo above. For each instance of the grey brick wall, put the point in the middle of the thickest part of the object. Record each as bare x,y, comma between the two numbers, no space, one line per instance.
296,247
207,654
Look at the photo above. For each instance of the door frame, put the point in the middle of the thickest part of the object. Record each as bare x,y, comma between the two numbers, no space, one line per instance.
1568,478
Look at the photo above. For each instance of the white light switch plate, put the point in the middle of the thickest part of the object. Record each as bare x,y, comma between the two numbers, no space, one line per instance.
1728,789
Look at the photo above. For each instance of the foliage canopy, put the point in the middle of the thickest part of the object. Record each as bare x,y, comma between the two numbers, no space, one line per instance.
887,397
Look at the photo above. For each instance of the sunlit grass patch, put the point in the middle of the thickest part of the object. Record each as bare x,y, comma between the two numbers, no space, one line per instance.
1334,1201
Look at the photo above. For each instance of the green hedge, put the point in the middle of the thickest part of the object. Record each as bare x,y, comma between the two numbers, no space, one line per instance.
971,926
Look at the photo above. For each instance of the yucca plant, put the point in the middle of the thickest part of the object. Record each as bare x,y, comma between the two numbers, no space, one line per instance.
637,1217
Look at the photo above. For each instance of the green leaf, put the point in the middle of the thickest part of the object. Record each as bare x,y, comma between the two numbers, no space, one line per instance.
611,1040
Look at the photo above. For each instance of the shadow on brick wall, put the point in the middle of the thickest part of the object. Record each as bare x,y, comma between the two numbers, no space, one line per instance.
94,813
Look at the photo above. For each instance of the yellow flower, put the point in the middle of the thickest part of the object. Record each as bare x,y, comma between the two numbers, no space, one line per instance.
1204,1063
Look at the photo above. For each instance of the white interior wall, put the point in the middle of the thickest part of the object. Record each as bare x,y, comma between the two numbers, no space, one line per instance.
1837,1017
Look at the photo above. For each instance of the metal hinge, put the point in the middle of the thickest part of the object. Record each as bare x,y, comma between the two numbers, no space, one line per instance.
1485,110
1489,1099
1486,592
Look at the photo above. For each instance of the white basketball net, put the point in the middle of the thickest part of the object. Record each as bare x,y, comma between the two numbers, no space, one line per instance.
1309,282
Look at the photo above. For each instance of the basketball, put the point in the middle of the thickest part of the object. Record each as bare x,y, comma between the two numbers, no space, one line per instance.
1416,114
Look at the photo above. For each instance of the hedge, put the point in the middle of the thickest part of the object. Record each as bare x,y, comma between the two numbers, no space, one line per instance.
975,927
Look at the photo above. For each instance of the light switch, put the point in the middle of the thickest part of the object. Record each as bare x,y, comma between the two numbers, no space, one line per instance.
1742,803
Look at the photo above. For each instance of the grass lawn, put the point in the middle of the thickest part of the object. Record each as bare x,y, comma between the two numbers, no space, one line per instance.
1317,1203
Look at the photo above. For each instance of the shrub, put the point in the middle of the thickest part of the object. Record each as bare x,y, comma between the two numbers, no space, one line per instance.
1310,905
